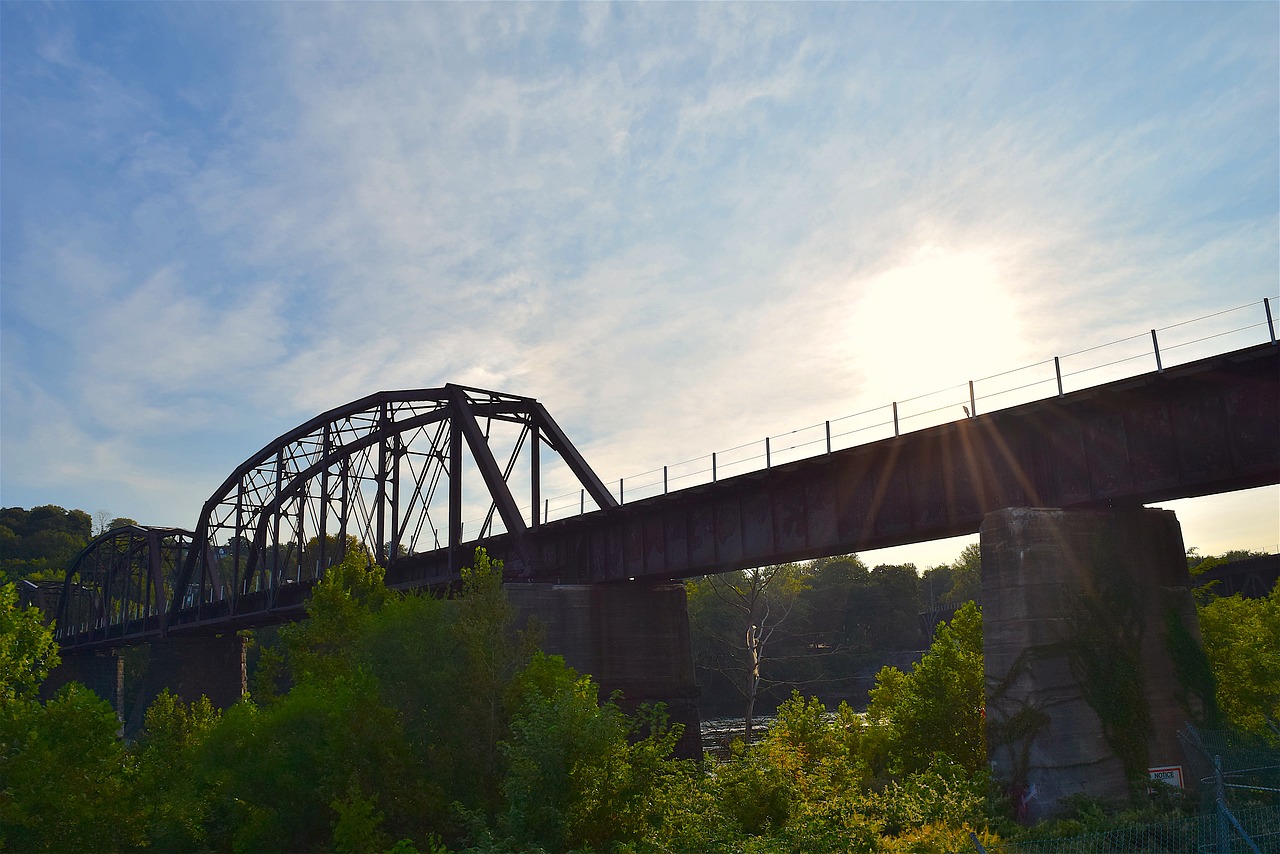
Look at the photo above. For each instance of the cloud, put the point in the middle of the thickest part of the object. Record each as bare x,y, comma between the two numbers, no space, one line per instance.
680,227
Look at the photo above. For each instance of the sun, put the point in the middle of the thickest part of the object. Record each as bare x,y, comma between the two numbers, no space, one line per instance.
943,317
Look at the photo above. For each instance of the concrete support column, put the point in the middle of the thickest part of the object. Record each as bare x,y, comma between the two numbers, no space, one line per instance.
632,638
189,668
1090,635
100,672
194,667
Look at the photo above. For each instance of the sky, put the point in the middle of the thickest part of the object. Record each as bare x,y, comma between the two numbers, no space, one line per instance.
681,227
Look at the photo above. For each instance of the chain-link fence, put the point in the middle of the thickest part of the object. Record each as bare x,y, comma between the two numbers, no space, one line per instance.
1259,831
1238,779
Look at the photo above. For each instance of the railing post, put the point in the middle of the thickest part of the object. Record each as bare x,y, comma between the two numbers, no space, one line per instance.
973,401
828,437
768,459
713,466
1156,344
895,418
620,491
1057,369
546,510
664,480
582,501
1271,326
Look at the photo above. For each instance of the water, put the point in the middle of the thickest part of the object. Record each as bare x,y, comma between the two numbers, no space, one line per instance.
718,733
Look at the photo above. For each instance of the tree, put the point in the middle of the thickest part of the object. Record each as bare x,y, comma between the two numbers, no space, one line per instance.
967,576
1242,642
40,543
758,602
936,710
27,648
576,778
62,767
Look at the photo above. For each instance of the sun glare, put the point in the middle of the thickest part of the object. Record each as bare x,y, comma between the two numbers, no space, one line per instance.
942,318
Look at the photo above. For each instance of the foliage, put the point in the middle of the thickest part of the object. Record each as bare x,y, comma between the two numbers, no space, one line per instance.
40,543
1242,642
817,625
171,806
340,607
407,723
933,713
66,786
27,649
1198,695
741,614
575,776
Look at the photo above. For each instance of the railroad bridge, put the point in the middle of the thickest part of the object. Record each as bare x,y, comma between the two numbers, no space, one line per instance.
1057,488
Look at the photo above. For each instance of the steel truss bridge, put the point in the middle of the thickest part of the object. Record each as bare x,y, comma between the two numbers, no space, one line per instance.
387,473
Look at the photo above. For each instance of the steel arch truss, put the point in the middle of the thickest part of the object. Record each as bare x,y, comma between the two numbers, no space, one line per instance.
121,585
393,474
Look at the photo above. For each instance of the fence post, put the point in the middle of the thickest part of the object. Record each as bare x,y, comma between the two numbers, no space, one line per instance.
1156,344
973,402
1220,798
895,418
582,501
1271,326
768,458
1057,370
828,437
620,501
664,480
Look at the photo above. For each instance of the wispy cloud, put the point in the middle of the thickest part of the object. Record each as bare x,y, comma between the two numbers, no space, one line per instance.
680,226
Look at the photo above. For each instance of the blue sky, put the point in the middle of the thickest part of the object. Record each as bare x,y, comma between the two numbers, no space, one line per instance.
680,227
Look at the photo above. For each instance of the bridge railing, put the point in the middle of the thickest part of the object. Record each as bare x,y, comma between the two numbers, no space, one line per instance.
1156,349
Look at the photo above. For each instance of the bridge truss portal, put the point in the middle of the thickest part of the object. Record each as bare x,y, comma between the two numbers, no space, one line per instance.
394,474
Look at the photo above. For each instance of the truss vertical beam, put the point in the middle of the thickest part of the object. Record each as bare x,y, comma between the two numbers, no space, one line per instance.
157,576
464,417
455,496
380,494
322,540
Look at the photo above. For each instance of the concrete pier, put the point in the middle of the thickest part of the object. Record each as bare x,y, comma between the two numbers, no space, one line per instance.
1085,616
101,672
189,668
632,638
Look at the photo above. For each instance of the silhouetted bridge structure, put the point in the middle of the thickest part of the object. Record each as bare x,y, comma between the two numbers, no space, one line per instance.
1055,486
389,468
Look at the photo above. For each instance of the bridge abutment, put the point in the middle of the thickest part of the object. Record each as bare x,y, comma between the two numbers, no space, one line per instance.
101,672
632,638
1090,638
195,667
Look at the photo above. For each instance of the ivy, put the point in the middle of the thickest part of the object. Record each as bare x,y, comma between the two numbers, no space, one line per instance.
1104,649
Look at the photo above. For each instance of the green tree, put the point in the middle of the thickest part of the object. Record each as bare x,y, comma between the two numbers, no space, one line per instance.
27,649
1242,642
64,772
172,805
967,576
40,543
575,777
935,711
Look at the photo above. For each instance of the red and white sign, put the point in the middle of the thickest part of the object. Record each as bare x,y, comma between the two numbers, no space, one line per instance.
1170,774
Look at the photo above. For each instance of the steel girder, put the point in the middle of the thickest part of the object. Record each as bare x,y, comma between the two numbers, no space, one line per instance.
121,585
384,473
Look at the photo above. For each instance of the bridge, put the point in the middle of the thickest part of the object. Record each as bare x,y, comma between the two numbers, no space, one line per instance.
395,473
385,468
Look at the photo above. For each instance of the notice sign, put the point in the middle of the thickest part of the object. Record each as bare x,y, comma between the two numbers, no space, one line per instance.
1170,774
